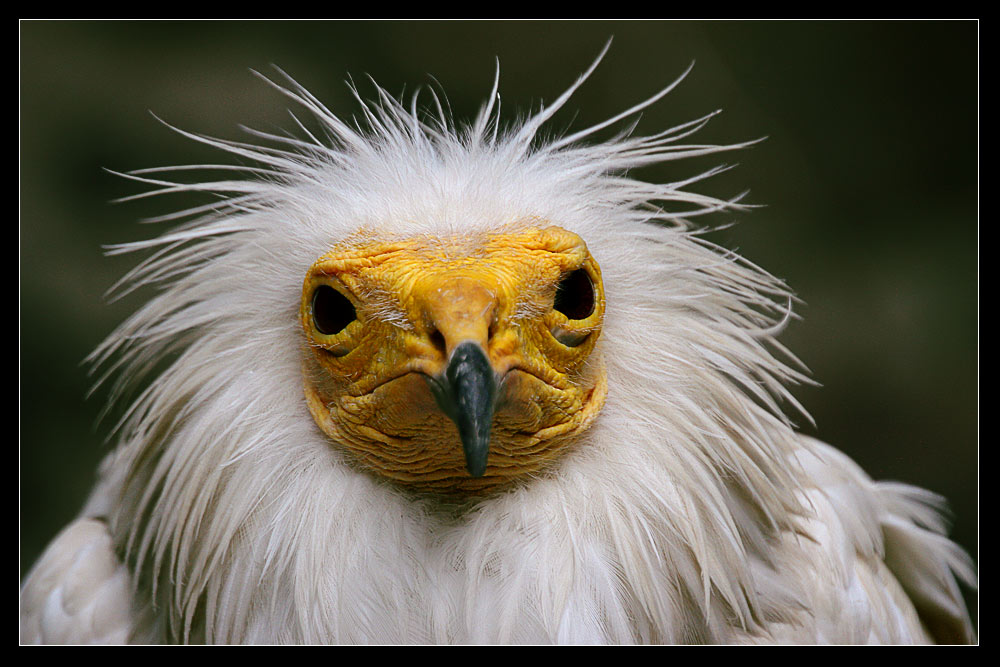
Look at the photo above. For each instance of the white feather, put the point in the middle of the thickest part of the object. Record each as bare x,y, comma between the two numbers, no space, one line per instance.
691,511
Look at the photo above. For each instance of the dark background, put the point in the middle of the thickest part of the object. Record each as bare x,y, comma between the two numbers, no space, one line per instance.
869,176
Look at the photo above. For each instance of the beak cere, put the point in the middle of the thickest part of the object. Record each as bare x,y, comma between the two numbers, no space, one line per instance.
466,392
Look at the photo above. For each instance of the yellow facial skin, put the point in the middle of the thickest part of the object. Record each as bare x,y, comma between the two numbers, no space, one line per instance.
409,303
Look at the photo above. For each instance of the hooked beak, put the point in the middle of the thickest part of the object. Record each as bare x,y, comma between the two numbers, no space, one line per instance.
466,392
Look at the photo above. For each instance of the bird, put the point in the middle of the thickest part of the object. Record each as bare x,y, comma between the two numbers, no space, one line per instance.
406,380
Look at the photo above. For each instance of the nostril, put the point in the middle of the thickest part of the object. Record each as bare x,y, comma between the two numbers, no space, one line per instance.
437,340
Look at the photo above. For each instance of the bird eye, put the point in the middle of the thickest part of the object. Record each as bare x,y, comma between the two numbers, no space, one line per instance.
575,296
331,310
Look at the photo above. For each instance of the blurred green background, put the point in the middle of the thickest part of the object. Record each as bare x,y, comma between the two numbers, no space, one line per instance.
869,175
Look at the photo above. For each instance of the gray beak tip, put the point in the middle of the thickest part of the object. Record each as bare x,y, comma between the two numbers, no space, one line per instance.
467,395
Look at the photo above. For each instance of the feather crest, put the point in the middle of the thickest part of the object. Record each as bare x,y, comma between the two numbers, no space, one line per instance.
247,525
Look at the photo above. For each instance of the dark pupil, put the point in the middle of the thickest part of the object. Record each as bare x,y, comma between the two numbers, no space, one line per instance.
575,295
332,311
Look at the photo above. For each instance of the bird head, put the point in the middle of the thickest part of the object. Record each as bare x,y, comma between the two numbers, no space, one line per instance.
449,299
455,364
467,310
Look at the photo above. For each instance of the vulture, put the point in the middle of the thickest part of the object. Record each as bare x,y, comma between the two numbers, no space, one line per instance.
410,380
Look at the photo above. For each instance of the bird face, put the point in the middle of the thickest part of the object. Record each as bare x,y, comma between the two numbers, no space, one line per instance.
454,364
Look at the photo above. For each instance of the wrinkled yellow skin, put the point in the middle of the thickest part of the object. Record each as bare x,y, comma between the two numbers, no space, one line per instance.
415,300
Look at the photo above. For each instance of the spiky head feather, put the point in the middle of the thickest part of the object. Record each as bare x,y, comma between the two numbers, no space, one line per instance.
246,521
